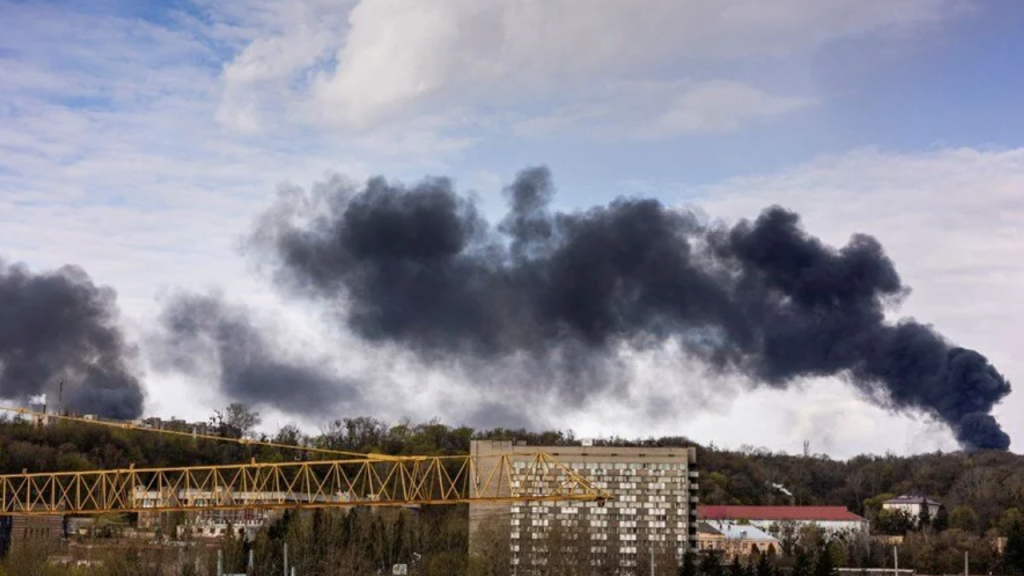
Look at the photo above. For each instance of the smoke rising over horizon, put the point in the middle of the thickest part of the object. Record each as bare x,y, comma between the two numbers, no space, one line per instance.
59,325
419,267
205,337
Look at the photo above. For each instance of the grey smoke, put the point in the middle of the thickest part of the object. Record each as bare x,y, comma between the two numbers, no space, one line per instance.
202,335
418,266
59,325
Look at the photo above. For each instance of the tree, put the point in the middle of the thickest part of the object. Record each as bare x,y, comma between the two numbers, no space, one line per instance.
764,566
711,565
1009,520
823,565
1013,554
893,522
689,565
941,522
735,568
873,505
802,566
924,519
236,421
963,518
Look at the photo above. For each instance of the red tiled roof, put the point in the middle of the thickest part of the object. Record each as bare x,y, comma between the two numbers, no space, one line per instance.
821,513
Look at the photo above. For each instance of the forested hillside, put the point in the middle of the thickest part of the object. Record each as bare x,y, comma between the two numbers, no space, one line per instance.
987,482
982,492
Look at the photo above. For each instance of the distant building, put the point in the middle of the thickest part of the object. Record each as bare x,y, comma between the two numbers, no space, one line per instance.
913,505
175,425
41,531
778,520
734,540
654,502
244,520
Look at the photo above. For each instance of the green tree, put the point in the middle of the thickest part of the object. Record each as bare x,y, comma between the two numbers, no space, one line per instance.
689,565
1013,554
823,565
964,518
924,519
736,568
802,565
711,565
893,522
941,522
873,505
1009,519
764,566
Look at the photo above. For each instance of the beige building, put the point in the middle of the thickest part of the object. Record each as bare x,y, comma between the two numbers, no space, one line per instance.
735,540
654,504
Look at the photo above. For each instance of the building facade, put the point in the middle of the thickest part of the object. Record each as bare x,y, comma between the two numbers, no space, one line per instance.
913,505
653,506
780,521
735,540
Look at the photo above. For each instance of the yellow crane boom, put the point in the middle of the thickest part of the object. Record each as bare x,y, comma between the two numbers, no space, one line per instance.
360,481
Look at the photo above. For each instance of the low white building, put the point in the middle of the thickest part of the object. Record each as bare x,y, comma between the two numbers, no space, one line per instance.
779,520
913,505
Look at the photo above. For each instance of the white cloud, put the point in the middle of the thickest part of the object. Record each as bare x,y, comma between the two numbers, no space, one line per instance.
663,110
405,53
357,66
718,107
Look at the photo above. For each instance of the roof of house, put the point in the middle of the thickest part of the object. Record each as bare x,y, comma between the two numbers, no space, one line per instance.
705,528
733,531
909,499
806,513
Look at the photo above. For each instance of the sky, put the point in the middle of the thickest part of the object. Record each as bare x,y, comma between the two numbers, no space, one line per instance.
140,141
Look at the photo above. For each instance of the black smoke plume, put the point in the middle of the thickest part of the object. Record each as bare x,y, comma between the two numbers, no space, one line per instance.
419,266
200,333
60,326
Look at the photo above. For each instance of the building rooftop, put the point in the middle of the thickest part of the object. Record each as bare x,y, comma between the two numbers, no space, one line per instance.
910,499
806,513
733,531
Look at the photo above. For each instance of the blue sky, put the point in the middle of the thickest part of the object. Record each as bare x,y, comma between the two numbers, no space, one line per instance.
139,140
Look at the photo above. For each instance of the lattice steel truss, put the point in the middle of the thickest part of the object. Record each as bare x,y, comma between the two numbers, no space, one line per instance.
310,484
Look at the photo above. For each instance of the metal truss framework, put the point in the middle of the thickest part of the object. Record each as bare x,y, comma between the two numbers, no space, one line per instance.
311,484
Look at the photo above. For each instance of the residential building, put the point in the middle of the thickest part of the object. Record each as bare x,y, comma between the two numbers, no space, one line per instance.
782,520
654,502
913,505
735,540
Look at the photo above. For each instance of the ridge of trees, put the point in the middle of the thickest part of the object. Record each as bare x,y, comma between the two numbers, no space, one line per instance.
982,492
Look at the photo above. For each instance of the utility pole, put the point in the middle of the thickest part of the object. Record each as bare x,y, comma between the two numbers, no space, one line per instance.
966,563
220,562
285,559
895,561
652,558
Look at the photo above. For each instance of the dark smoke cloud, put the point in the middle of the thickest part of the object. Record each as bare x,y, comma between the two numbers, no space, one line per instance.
198,332
59,325
420,267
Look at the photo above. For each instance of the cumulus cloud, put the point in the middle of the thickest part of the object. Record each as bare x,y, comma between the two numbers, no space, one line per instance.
389,61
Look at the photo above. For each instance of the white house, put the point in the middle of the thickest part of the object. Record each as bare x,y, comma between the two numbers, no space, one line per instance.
913,505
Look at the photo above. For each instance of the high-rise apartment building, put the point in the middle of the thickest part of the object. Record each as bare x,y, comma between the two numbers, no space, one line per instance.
654,506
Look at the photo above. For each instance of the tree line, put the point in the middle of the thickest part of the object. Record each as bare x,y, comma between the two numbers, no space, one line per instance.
982,495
